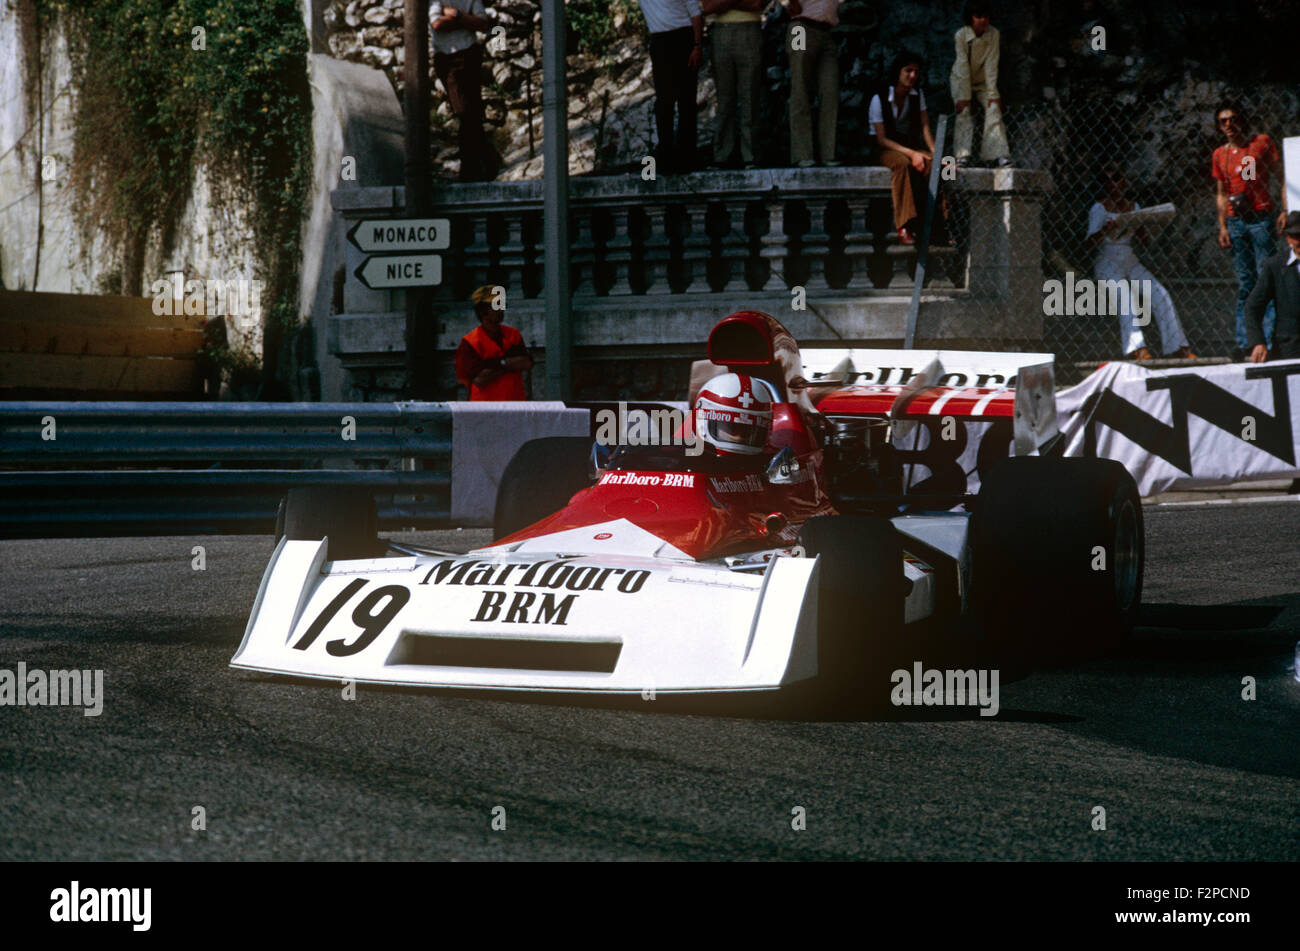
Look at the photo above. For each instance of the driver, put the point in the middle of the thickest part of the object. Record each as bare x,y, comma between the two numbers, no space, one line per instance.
733,414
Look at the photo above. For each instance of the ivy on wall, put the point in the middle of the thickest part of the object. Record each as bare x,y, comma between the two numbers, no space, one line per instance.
592,23
166,86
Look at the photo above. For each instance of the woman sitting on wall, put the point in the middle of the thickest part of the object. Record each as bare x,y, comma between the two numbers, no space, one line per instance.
901,123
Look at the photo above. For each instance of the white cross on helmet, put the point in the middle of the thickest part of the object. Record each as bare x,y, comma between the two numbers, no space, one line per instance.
734,413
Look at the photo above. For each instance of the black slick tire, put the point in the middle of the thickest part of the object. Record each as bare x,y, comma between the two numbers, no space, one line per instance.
539,481
1057,556
859,610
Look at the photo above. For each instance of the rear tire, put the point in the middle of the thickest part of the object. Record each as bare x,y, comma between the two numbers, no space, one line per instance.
539,481
347,517
859,610
1057,546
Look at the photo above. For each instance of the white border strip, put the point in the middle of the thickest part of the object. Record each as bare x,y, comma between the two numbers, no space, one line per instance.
1252,499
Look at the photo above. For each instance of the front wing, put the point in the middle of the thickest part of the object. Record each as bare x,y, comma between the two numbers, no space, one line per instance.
533,622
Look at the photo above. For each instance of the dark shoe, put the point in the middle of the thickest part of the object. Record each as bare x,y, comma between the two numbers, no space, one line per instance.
1141,353
1184,353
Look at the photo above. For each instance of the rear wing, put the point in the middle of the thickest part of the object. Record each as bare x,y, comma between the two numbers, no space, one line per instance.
979,386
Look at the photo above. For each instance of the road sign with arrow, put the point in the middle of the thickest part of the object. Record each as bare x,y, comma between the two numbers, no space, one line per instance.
387,235
400,270
383,236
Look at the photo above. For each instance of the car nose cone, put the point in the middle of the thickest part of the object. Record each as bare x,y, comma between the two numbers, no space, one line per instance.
638,507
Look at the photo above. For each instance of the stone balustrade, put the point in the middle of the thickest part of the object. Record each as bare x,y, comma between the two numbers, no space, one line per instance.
653,264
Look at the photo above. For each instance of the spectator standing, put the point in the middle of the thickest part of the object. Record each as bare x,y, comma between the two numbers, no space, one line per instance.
1241,168
901,123
736,36
492,358
676,53
975,77
1278,287
814,69
1117,262
457,62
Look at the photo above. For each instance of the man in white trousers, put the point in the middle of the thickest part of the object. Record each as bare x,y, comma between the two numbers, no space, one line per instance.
1116,261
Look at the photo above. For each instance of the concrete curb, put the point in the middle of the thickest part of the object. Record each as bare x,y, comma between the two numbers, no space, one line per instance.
1271,490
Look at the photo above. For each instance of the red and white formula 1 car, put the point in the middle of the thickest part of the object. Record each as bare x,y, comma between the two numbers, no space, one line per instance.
815,525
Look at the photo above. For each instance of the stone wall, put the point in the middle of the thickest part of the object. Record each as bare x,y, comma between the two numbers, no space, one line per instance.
610,97
1173,57
43,246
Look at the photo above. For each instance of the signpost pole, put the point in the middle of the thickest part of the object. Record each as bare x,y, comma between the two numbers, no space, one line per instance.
421,331
555,216
923,250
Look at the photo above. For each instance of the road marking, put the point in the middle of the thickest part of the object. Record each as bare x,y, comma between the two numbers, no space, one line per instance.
1184,505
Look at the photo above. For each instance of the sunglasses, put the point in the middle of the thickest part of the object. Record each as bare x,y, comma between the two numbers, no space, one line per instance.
1230,120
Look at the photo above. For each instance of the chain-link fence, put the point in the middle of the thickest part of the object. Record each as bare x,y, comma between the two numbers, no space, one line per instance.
1187,285
1164,157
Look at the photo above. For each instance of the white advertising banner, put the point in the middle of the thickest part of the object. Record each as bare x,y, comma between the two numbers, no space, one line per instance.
1188,428
1291,162
1172,429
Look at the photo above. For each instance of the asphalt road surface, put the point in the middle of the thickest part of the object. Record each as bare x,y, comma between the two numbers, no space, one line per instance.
1159,736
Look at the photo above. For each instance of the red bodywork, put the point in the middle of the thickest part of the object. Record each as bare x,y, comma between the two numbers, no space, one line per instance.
707,514
968,402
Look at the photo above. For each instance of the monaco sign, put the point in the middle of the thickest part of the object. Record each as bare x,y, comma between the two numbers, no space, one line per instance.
386,235
400,270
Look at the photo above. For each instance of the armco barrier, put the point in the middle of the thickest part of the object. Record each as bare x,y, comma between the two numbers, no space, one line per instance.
46,433
100,469
85,504
1229,423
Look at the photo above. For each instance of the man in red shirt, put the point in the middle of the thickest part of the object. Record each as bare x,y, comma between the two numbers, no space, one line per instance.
1241,168
492,357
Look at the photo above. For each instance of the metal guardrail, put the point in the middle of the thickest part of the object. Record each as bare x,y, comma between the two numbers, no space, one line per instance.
220,432
256,452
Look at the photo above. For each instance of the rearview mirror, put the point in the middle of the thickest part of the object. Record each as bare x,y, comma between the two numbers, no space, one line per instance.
600,456
783,469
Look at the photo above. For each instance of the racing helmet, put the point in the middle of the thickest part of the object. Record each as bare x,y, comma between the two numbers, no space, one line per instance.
733,413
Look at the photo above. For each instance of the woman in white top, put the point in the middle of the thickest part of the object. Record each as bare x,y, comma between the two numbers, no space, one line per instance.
1117,262
901,122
